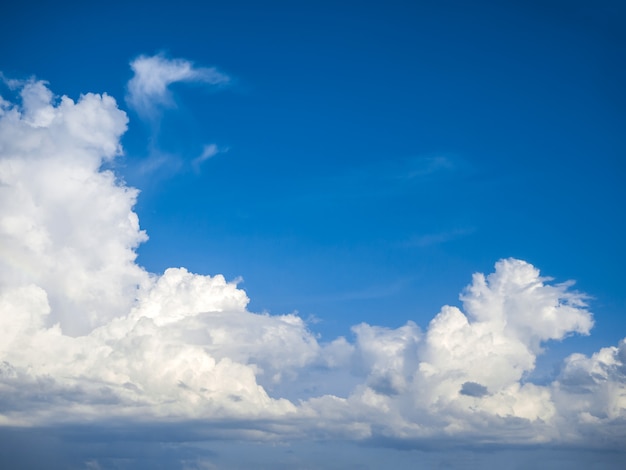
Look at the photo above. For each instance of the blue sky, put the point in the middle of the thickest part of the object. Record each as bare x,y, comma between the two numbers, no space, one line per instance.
361,163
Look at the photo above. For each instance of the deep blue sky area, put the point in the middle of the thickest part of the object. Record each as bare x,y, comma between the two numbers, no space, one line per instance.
377,154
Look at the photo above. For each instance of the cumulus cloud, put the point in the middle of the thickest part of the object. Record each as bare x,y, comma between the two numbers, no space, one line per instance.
148,88
590,394
87,335
66,227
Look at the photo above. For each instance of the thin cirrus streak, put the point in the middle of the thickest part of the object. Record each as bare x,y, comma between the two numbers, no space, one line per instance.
148,89
87,335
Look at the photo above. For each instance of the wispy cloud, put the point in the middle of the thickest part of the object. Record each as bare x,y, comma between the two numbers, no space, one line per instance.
432,239
428,165
149,93
395,175
365,293
209,151
148,88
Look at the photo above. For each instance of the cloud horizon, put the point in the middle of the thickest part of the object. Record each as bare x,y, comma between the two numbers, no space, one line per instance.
89,336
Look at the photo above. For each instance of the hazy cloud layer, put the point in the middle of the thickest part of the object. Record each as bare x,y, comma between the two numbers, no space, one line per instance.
87,335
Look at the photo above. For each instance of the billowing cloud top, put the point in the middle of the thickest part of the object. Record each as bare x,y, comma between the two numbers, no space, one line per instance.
148,88
87,335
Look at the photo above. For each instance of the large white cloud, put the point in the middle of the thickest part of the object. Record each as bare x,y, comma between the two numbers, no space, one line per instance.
88,335
66,226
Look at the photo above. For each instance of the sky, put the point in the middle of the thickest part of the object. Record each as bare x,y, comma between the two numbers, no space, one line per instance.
312,234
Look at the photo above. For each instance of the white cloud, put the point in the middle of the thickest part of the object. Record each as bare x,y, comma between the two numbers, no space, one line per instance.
209,151
464,376
387,356
148,88
591,393
66,226
88,335
509,314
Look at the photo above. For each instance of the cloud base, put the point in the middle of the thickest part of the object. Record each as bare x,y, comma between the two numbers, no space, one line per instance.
88,336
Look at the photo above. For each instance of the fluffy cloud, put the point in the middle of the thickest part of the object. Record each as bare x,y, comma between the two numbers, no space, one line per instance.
590,394
67,227
87,335
148,88
509,314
